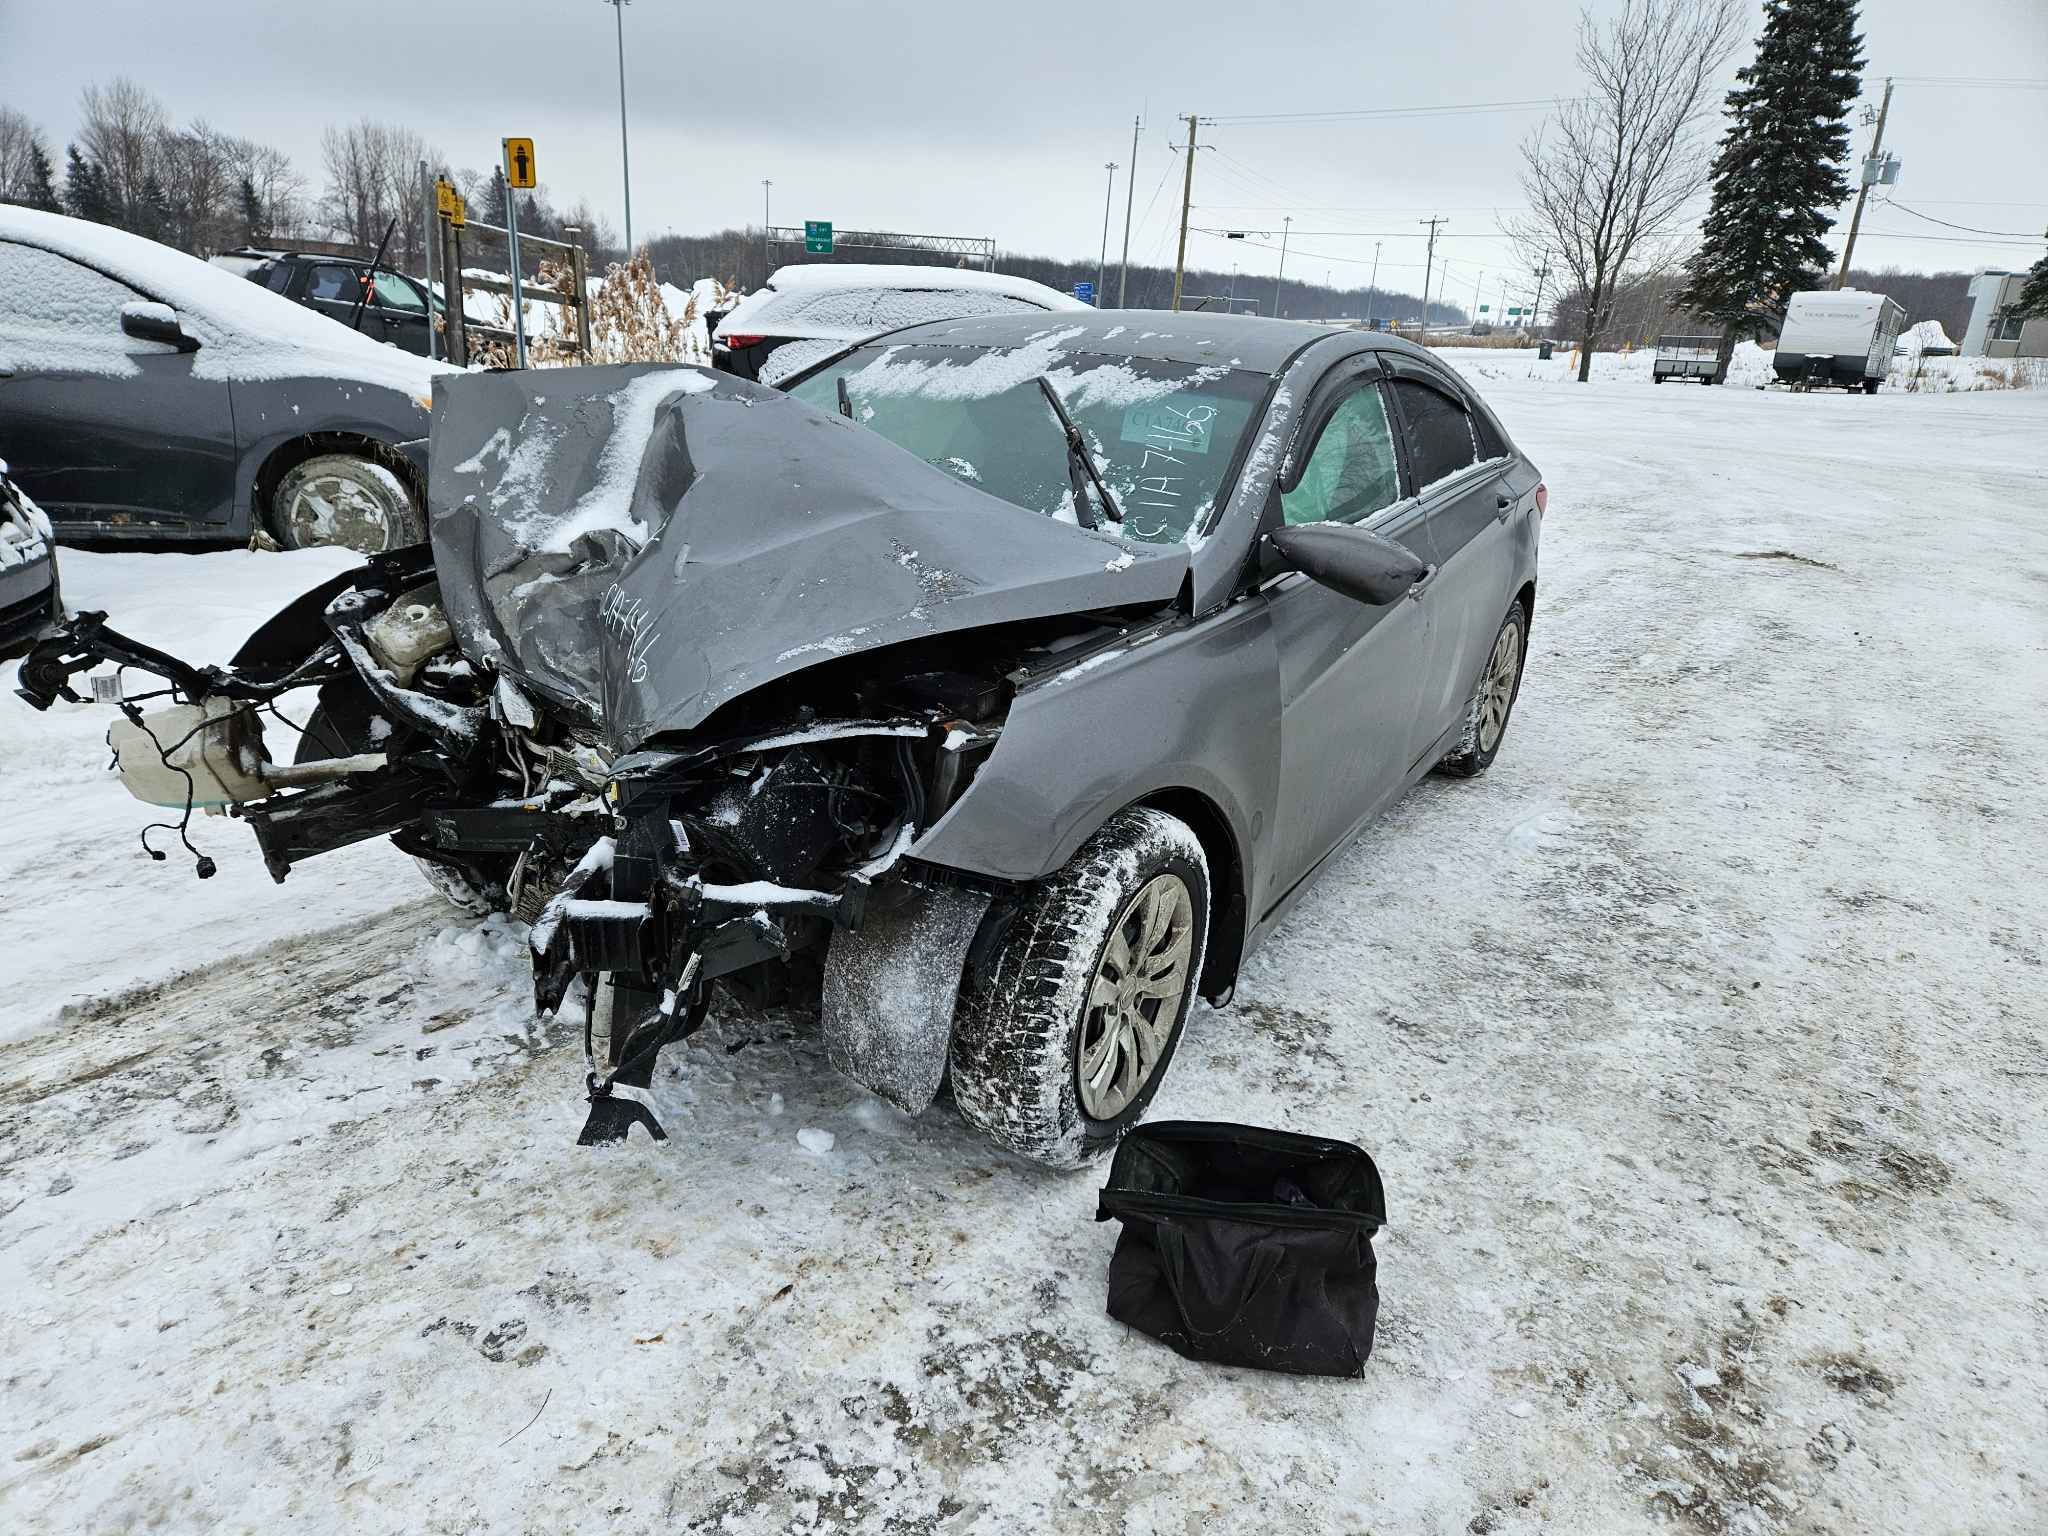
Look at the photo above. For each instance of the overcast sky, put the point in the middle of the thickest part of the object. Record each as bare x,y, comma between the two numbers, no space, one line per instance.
980,119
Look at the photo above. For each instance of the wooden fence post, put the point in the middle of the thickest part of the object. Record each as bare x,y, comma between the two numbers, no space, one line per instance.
581,273
458,330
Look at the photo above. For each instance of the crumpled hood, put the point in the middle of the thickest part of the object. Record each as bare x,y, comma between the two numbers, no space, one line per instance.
643,543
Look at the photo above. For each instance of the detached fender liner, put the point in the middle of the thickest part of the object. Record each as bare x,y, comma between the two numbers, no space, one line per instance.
890,989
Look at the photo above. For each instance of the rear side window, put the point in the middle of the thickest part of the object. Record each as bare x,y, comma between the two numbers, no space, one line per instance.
339,283
1438,430
1493,443
277,276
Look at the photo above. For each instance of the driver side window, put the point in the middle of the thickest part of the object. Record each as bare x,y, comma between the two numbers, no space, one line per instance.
1352,472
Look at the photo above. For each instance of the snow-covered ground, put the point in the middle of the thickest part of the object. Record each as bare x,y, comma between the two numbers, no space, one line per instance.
1749,368
1700,1045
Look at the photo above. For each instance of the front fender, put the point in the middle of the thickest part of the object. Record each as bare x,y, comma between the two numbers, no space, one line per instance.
1191,707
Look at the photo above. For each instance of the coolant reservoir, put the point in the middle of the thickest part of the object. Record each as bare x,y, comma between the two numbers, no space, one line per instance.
411,631
211,752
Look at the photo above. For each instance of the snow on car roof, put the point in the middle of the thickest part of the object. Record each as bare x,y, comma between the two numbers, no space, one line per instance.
246,331
853,274
843,302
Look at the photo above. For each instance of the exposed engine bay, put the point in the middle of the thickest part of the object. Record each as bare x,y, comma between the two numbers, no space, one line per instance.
665,825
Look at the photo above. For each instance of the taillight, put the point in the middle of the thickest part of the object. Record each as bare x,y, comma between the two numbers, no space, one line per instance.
741,341
1542,499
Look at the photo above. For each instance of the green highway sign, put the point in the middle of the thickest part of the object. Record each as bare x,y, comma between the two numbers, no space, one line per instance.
818,237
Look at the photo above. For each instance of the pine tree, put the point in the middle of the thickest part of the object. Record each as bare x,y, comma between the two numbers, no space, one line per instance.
42,182
1778,171
2033,298
85,188
253,221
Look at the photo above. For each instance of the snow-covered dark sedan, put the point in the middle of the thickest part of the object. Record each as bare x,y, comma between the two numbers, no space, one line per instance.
1000,685
146,395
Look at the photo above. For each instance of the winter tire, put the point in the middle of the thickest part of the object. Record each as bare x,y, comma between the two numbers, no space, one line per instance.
1077,990
341,499
1493,699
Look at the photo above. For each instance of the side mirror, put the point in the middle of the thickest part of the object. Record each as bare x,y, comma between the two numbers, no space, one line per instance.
1350,560
156,322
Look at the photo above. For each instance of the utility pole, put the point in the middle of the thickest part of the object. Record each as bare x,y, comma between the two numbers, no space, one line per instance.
1429,266
1473,318
1187,197
767,251
1856,220
1102,261
1285,225
625,163
1123,281
1373,292
1536,314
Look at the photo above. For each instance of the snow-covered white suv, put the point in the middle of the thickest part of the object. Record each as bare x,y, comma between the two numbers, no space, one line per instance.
806,313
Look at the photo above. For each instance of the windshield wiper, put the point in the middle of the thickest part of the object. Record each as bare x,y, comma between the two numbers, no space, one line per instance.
845,400
1078,457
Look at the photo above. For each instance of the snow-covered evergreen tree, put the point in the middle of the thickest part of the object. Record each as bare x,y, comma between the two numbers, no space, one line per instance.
42,182
2034,296
1778,172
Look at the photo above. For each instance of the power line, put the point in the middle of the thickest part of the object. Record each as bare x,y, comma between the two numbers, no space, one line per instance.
2013,234
1973,81
1900,234
1458,109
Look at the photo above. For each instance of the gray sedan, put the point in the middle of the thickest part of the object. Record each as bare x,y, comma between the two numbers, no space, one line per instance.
998,687
145,395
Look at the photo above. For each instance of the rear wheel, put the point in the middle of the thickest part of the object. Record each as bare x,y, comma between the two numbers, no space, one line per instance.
343,499
1076,993
1493,699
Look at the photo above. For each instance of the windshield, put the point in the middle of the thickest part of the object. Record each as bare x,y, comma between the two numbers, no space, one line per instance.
1162,434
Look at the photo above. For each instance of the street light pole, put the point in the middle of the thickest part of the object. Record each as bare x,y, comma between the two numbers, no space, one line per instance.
625,162
1102,260
767,256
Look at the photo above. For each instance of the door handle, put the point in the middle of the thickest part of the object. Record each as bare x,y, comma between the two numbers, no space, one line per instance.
1422,583
1503,505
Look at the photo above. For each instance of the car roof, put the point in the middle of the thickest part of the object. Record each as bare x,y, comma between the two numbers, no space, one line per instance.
1240,341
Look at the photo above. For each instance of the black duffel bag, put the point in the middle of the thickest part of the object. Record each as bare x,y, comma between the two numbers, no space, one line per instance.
1245,1246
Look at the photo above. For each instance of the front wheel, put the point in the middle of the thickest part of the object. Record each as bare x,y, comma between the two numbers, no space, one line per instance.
340,499
1493,699
1077,990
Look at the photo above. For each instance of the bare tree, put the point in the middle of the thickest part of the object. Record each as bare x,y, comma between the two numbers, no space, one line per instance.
373,177
122,128
275,193
19,141
1608,177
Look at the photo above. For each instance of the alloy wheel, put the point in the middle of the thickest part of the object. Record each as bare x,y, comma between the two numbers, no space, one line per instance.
1497,687
332,509
1135,997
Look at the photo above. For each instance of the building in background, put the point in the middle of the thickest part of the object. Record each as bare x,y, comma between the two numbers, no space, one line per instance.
1994,329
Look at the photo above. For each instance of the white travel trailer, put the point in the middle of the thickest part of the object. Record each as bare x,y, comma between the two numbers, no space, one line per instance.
1838,338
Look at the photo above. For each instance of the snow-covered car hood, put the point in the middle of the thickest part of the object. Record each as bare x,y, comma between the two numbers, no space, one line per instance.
644,543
